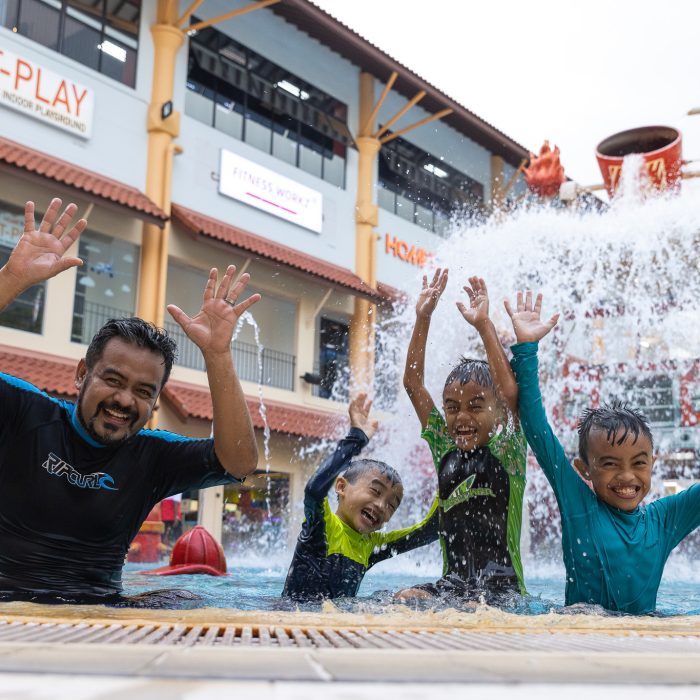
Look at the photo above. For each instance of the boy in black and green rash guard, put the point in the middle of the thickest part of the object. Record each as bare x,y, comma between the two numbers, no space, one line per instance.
334,550
479,457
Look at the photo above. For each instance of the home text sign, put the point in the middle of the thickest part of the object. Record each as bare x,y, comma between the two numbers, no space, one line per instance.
54,99
265,189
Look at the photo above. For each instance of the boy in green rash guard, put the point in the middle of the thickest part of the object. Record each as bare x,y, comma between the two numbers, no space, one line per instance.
478,455
614,548
334,550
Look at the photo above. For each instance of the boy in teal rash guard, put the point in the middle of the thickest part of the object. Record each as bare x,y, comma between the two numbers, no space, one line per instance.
479,457
334,550
614,548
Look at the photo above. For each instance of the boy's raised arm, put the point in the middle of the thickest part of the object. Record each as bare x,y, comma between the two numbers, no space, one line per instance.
361,431
414,373
477,315
570,490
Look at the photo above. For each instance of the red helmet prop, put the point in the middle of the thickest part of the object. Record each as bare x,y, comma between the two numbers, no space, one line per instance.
196,552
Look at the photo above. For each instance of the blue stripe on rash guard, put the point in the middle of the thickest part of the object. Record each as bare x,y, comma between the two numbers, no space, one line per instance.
167,436
26,386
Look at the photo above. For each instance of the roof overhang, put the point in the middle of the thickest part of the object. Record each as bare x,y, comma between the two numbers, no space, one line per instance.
73,181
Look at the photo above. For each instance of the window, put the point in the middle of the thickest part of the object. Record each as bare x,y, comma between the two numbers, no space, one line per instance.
420,188
26,312
100,34
239,92
106,284
333,359
652,396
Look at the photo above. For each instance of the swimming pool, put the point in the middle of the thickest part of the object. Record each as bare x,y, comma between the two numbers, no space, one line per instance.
253,585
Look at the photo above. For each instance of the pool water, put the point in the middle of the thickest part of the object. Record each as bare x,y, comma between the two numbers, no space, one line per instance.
254,586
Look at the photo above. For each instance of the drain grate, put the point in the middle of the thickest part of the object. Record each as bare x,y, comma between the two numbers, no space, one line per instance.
181,635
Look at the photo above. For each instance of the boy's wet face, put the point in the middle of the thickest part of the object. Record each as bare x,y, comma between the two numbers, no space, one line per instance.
369,502
471,412
620,474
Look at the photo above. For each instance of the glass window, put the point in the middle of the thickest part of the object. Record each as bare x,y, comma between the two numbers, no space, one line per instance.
333,359
101,35
26,312
228,117
105,285
282,114
39,21
436,189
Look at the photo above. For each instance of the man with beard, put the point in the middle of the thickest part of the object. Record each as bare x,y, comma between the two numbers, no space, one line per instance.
79,479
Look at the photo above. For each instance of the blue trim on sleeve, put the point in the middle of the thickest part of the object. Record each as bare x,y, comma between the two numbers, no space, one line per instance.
167,436
26,386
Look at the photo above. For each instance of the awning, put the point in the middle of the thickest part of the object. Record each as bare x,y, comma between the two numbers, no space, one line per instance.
265,249
75,181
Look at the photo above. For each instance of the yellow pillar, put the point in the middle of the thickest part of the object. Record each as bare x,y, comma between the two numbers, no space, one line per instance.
167,40
366,219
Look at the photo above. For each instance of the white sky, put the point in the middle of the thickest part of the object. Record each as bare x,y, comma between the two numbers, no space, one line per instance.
570,71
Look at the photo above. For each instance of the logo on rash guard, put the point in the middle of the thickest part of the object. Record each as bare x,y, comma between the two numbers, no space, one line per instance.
464,492
97,480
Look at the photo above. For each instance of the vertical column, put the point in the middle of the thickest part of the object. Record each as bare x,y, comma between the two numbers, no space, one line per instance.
366,219
167,40
211,508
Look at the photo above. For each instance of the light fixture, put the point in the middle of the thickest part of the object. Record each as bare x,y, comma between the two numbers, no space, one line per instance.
438,172
113,50
310,378
87,281
109,293
292,89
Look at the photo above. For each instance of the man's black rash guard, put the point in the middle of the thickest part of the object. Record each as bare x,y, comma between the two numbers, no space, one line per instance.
71,505
331,558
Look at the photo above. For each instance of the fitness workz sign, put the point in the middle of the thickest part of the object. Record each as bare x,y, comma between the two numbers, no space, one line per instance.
50,97
265,189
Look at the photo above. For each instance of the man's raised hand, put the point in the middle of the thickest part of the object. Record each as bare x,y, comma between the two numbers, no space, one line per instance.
477,312
359,415
40,253
527,323
212,328
430,293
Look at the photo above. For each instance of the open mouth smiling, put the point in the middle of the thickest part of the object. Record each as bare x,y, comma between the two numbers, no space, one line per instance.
627,492
370,517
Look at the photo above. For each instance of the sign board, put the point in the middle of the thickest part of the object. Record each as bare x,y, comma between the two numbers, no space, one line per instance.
265,189
412,254
50,97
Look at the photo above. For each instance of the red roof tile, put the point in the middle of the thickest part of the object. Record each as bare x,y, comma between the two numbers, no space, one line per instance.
264,248
56,375
193,401
85,181
50,373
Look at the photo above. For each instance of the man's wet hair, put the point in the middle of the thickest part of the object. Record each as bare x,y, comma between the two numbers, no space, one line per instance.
137,332
362,466
617,420
470,370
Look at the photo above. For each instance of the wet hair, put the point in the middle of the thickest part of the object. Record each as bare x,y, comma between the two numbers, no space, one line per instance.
617,420
470,370
363,466
137,332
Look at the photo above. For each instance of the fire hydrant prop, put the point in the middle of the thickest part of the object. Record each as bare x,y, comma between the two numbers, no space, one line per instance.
196,552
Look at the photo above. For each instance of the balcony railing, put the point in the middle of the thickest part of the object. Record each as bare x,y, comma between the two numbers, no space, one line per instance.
89,317
273,368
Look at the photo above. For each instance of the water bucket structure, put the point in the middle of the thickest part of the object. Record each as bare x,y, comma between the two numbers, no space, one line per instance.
660,146
196,552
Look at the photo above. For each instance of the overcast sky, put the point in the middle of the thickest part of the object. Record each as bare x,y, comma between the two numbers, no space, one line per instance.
572,72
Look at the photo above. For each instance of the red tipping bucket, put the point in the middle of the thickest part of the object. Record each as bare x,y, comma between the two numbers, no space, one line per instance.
196,552
660,147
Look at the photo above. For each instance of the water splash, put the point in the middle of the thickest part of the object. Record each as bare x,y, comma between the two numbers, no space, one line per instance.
626,280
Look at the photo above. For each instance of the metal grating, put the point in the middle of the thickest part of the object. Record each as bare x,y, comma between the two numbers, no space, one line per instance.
180,635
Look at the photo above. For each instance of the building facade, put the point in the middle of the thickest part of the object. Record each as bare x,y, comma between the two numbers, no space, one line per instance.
262,173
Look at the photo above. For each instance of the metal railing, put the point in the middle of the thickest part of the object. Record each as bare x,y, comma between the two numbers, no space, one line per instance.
269,367
89,317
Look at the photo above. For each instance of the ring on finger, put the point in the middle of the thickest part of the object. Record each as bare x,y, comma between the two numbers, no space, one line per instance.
229,302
